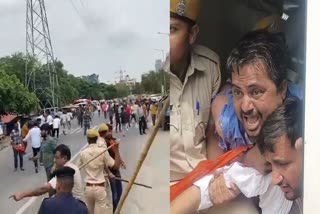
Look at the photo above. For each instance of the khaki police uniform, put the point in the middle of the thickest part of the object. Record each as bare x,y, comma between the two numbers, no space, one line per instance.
99,201
187,124
101,142
190,104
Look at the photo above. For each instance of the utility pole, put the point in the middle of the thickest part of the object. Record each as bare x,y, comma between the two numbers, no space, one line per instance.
39,46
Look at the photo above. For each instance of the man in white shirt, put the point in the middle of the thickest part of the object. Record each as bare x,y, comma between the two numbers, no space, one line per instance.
56,125
34,136
42,120
49,121
64,121
280,141
142,119
61,158
69,117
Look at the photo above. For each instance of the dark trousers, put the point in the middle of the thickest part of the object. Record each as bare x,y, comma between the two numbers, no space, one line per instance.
111,119
51,130
153,117
116,188
118,124
86,127
80,121
105,114
142,125
35,152
133,116
56,131
17,154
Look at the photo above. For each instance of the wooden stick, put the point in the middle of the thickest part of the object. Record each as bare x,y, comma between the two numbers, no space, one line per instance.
143,156
83,165
135,183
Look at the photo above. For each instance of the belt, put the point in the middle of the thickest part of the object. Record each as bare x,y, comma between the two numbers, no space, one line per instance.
99,184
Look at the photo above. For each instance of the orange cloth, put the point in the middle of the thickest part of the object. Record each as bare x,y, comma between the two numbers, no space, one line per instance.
203,168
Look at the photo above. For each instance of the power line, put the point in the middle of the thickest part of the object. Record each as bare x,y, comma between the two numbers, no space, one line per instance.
75,8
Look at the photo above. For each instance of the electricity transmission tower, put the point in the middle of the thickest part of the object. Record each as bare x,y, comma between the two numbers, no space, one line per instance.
121,75
39,46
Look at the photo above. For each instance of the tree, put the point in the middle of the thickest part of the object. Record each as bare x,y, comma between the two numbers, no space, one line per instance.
14,97
151,82
122,90
138,89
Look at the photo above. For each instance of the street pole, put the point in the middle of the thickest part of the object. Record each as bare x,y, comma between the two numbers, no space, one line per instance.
164,76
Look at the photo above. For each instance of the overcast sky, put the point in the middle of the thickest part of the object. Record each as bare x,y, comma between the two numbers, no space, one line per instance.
95,36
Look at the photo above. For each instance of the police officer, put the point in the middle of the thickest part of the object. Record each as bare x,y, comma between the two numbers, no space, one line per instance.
195,77
97,198
63,202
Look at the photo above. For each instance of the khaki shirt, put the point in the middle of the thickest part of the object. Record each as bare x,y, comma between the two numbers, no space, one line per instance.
94,171
187,127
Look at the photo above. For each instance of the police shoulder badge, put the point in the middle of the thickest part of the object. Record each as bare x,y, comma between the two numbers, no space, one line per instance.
181,8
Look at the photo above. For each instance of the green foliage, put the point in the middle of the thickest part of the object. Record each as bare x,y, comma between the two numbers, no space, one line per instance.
14,97
152,82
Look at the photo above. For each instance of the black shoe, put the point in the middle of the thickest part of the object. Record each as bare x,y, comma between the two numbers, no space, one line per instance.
144,133
22,169
37,170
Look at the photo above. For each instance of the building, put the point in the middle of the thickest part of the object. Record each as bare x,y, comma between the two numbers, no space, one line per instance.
158,65
93,78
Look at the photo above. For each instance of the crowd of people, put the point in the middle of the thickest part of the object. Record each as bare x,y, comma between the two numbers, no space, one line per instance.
123,113
102,192
101,168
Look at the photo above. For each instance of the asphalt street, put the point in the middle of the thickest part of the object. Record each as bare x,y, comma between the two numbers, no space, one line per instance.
154,172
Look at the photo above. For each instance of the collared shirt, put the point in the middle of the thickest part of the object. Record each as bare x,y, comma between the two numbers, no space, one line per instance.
190,110
77,190
47,151
140,111
34,135
297,206
49,119
56,123
43,120
86,119
15,137
94,170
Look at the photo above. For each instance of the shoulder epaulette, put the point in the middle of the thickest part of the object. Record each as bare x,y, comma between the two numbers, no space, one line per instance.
206,52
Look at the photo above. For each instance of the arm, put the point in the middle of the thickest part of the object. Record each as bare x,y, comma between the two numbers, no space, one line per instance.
212,143
79,161
184,203
17,196
27,138
117,158
219,192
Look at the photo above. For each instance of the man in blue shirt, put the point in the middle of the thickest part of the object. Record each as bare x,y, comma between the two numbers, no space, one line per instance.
63,202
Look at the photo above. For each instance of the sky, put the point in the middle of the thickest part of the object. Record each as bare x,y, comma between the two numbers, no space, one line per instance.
95,36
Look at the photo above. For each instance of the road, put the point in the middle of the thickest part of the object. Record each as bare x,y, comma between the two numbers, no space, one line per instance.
154,172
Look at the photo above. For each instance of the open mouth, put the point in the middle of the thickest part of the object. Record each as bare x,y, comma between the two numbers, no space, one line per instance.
251,123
